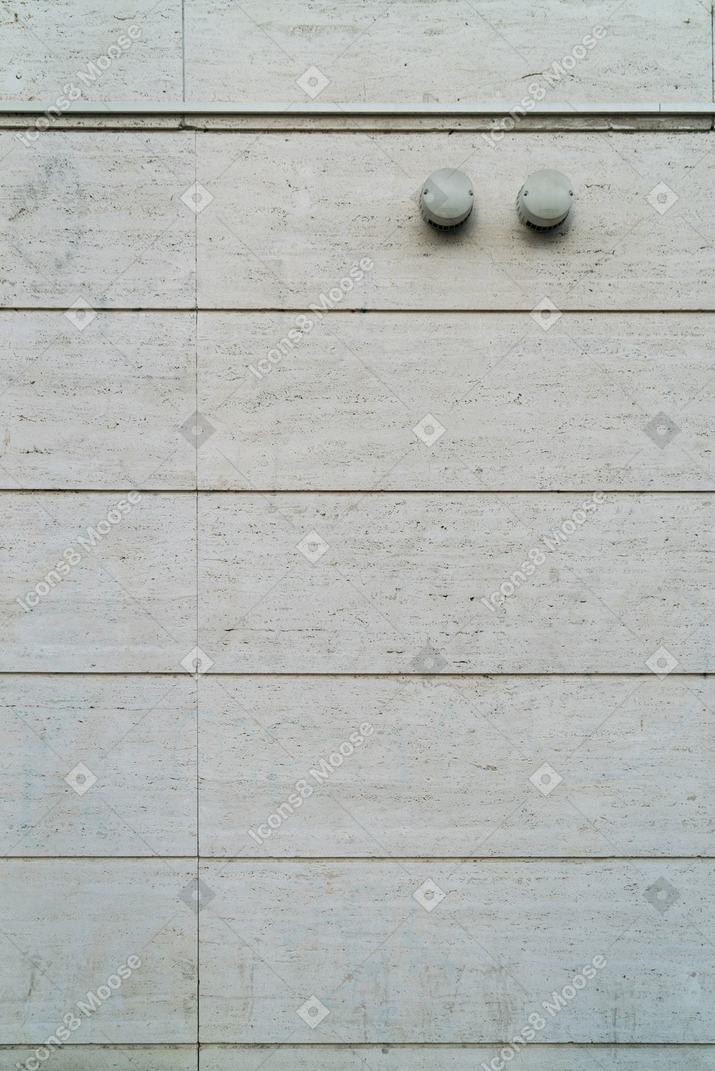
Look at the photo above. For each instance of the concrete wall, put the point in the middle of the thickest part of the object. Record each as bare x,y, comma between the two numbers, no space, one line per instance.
451,549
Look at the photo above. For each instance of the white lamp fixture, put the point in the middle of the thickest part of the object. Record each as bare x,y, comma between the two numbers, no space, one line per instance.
447,198
545,199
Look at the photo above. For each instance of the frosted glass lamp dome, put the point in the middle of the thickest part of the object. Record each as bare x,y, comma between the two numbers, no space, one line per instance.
447,198
545,200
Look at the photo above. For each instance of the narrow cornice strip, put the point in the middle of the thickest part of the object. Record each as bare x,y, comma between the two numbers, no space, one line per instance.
22,107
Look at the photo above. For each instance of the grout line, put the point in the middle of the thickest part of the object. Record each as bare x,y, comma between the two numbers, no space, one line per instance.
346,1045
183,53
364,492
451,1044
196,532
290,310
376,675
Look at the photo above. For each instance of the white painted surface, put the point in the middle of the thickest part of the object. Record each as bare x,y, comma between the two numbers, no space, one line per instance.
98,408
403,572
523,409
446,770
136,736
127,605
69,924
444,51
505,936
286,226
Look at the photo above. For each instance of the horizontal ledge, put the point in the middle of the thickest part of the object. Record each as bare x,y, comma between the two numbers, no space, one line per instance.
346,1045
238,108
203,859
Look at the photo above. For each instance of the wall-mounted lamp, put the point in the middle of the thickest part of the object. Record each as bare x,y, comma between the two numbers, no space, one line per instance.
545,199
447,198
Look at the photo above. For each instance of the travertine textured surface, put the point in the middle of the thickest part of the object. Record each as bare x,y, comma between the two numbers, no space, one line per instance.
416,51
128,604
339,626
46,44
405,573
442,50
97,217
522,408
135,734
452,1058
115,1057
99,408
504,937
383,1057
453,757
319,204
278,225
70,924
